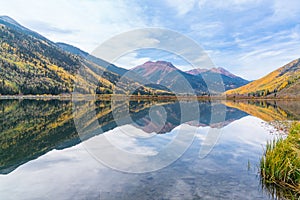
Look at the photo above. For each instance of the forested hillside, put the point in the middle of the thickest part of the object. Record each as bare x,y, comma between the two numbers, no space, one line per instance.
32,64
283,82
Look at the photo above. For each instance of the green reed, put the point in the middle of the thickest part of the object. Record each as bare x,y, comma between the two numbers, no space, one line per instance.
280,164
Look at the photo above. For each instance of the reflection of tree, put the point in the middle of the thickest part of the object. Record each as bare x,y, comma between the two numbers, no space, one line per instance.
268,110
31,128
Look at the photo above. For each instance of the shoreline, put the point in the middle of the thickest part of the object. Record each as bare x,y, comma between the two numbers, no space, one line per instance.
141,97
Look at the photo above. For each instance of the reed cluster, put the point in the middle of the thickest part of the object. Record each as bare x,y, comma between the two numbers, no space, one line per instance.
280,164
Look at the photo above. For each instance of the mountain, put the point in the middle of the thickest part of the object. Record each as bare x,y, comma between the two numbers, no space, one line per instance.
71,49
11,23
32,64
230,80
283,82
111,67
218,70
108,66
166,74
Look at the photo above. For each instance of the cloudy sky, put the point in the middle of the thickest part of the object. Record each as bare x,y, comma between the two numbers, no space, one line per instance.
248,37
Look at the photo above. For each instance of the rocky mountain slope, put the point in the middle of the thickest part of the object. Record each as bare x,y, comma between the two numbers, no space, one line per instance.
166,74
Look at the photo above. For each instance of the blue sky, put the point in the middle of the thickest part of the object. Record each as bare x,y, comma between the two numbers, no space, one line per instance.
248,37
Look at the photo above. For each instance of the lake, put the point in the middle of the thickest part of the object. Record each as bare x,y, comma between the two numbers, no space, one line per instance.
52,149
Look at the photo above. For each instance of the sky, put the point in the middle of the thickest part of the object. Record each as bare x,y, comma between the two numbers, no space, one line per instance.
250,38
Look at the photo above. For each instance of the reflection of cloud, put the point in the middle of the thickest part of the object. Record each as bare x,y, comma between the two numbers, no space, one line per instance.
73,173
247,130
126,138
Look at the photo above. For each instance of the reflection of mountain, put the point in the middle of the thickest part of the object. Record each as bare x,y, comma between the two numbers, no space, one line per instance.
31,128
269,110
175,118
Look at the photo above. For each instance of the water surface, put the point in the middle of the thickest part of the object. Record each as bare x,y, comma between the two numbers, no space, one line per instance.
43,157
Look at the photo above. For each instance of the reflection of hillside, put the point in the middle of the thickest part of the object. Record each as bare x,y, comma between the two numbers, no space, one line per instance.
31,128
137,113
268,110
291,107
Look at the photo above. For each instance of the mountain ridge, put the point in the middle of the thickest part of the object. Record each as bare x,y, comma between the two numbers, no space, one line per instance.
32,64
230,80
77,51
218,70
166,74
158,71
283,82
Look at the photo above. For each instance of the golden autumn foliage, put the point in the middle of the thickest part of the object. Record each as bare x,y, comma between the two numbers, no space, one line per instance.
272,83
259,109
33,65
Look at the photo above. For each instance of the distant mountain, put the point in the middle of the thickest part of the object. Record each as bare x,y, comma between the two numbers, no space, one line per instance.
71,49
110,67
32,64
230,80
166,74
218,70
283,82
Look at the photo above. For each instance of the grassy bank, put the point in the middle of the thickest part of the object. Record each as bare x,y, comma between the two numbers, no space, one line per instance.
280,164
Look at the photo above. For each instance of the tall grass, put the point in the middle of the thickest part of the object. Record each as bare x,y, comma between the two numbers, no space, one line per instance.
280,164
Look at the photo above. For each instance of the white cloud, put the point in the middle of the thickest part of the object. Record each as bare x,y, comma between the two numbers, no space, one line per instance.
182,6
207,29
130,60
94,21
229,4
248,37
285,10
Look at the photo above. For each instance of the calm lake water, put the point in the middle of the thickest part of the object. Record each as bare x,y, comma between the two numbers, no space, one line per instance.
158,149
